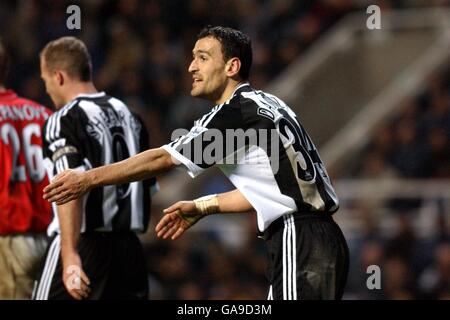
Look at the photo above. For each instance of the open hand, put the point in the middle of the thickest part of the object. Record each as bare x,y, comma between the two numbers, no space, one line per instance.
177,219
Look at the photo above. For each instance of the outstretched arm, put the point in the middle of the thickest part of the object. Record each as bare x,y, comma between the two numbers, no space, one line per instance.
184,214
71,184
233,202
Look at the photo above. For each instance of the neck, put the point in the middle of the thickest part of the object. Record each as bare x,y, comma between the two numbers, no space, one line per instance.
230,87
80,88
2,88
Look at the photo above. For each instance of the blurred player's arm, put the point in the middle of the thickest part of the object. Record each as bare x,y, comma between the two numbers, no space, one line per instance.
71,184
74,278
184,214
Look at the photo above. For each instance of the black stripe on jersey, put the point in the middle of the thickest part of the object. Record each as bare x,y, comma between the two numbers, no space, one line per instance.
122,222
284,175
320,183
329,202
94,210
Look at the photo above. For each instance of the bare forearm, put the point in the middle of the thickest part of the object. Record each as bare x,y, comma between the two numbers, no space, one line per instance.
69,216
233,202
142,166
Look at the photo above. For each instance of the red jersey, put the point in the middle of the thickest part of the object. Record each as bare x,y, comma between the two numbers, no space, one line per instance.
22,172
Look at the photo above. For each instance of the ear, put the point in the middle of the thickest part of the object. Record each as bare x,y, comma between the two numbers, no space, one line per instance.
60,77
232,67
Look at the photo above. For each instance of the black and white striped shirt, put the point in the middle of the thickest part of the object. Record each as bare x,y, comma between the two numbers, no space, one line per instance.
91,131
279,173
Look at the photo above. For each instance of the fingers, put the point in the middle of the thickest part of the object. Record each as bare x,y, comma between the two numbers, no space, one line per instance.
163,223
163,230
52,186
56,183
56,194
75,295
53,189
82,293
63,188
64,199
167,231
173,207
171,225
175,222
84,278
178,233
172,230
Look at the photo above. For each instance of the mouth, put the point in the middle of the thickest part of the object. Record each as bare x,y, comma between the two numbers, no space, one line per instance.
196,81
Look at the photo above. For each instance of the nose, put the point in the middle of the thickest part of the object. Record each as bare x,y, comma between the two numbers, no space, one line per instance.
193,66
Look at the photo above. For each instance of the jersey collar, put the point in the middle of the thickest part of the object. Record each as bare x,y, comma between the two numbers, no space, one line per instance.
8,94
242,85
91,95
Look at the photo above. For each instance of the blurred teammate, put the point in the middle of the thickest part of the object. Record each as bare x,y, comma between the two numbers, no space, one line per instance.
287,185
94,252
24,216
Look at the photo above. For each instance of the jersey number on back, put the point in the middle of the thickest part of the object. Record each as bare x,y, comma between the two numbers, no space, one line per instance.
32,152
120,152
291,135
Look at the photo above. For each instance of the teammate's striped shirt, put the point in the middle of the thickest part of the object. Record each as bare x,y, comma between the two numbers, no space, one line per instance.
280,173
91,131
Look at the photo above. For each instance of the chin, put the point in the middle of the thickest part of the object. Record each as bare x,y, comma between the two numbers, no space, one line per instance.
196,93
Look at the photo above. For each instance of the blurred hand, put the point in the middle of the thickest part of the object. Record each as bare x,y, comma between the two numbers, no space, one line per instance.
74,278
177,219
66,186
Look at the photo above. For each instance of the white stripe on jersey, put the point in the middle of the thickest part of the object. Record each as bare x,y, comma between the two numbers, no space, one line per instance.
215,110
48,273
132,141
109,206
285,262
294,259
289,259
270,295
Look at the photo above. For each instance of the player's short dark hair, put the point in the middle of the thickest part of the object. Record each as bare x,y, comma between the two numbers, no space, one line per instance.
4,63
234,43
69,54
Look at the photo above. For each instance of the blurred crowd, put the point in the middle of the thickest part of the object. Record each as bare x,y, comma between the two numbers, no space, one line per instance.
141,51
413,144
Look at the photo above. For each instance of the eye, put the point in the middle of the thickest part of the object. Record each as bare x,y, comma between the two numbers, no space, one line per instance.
203,58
